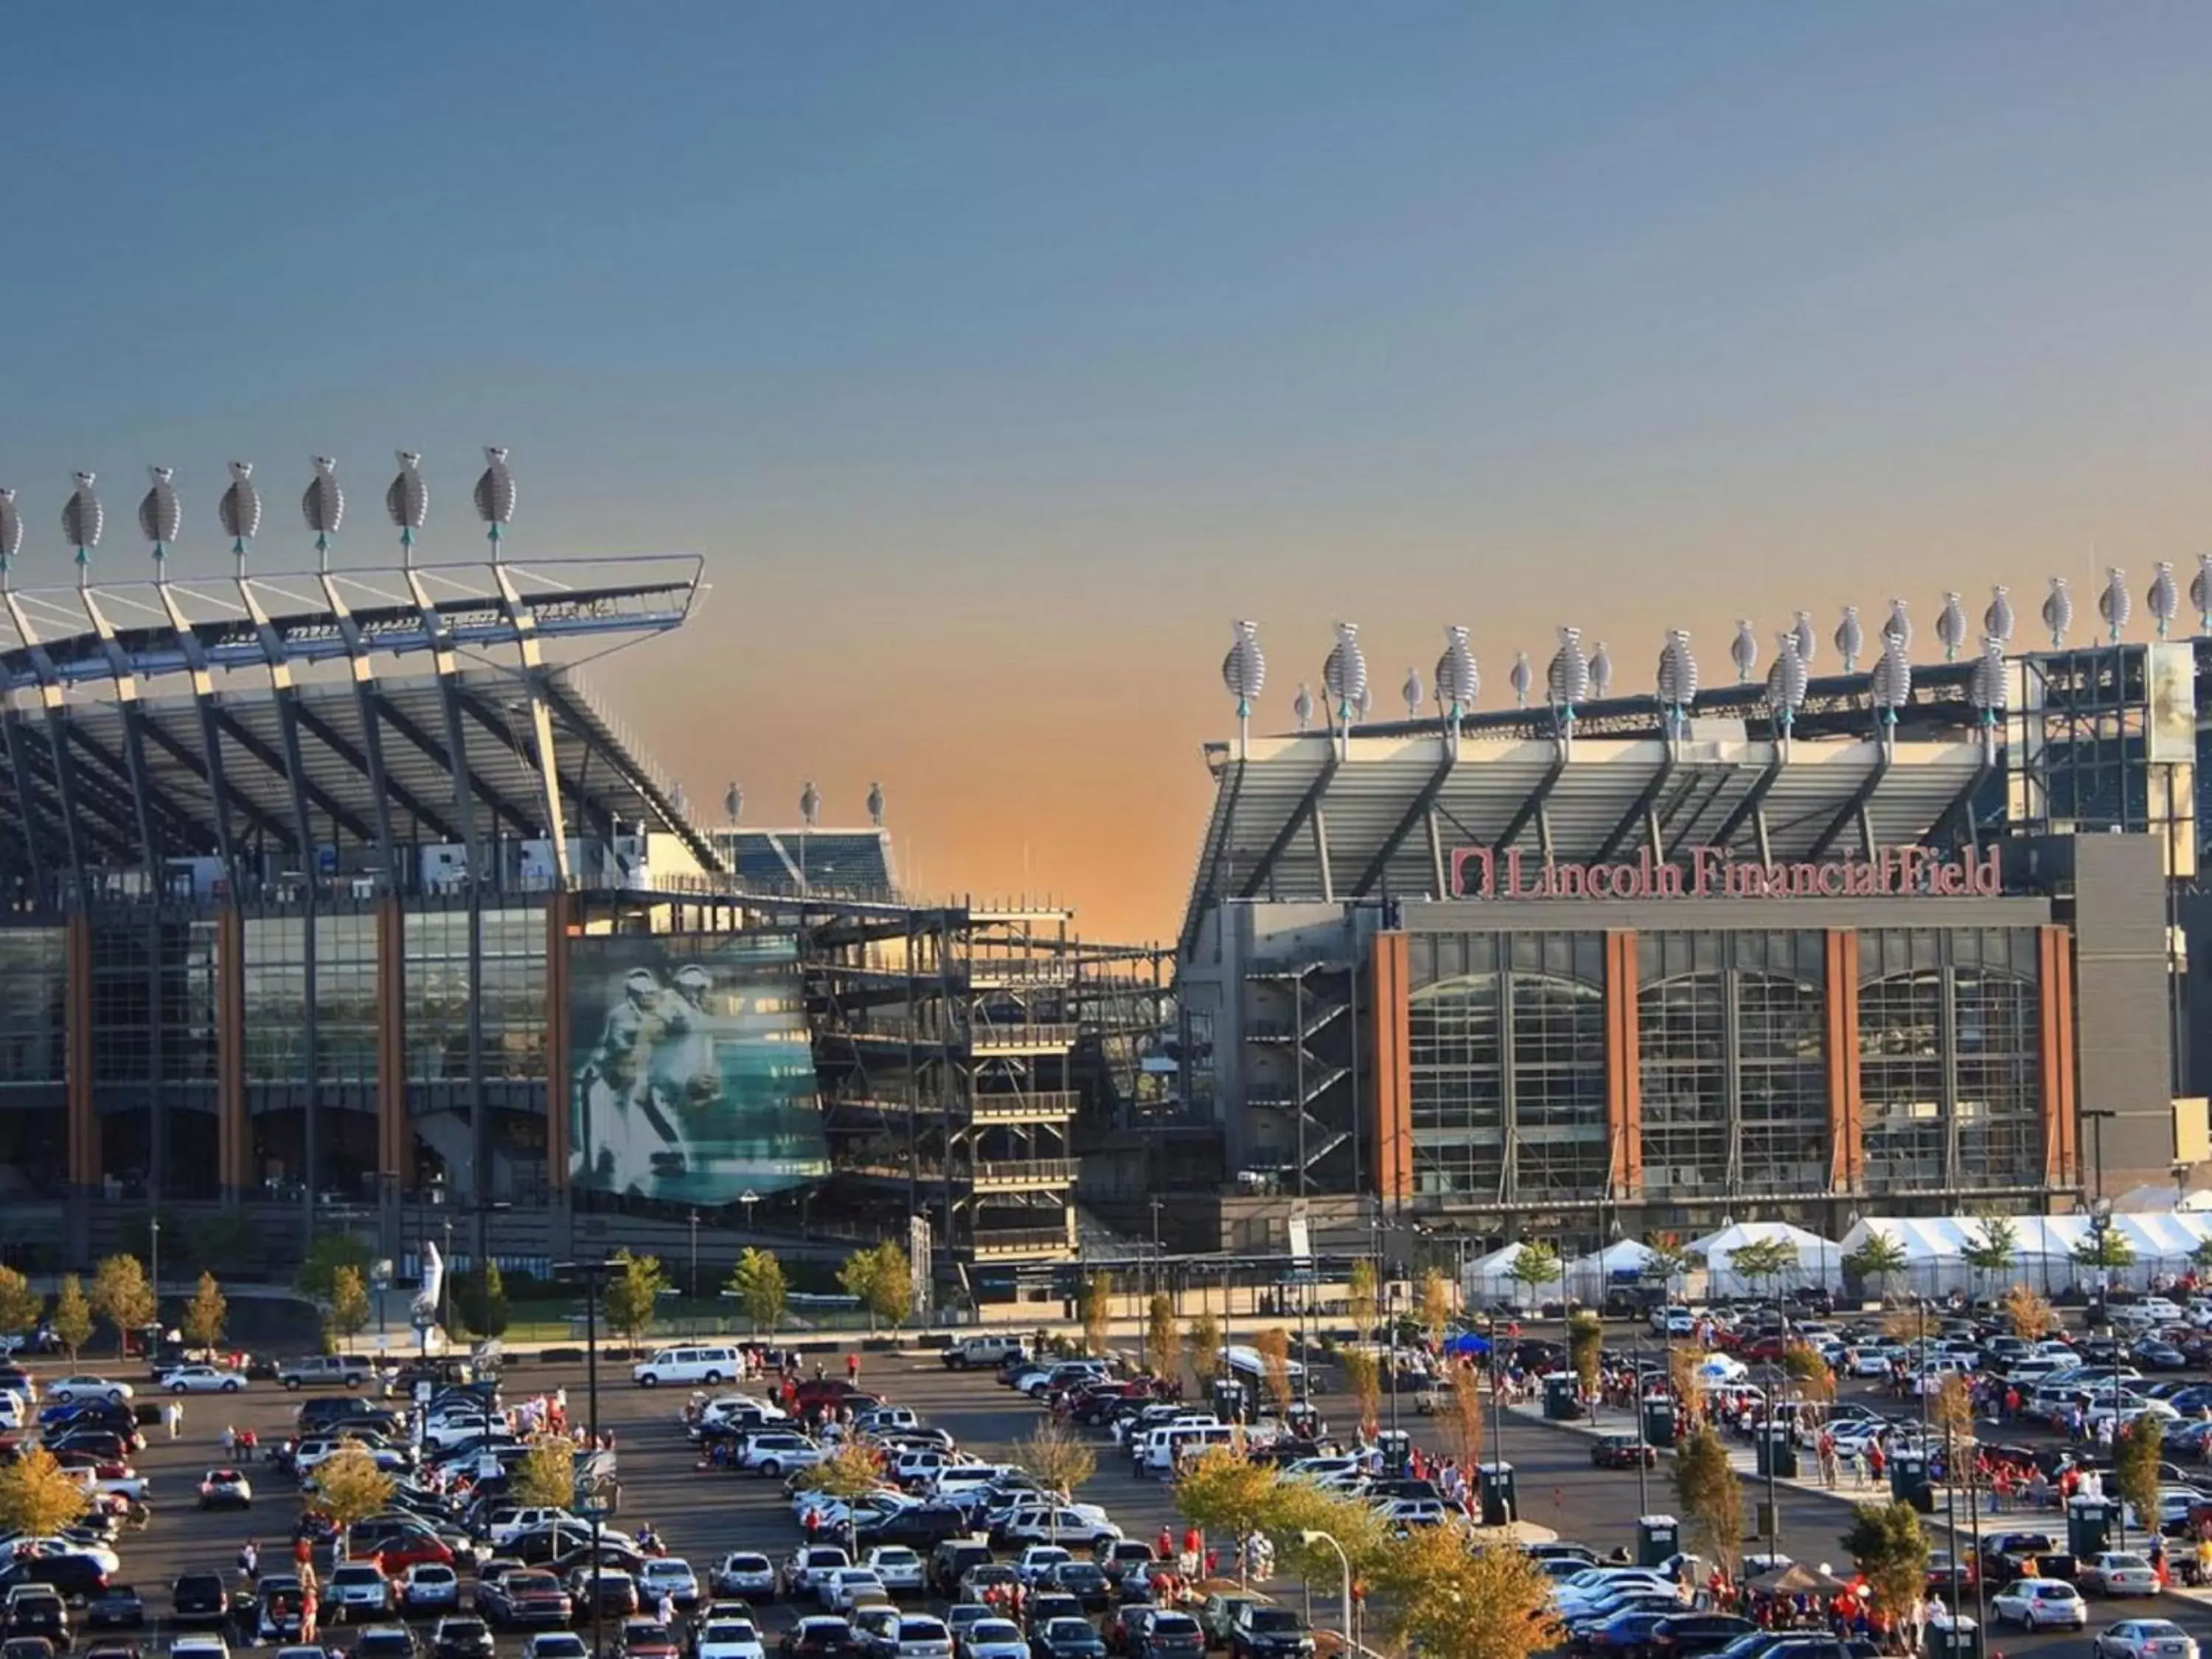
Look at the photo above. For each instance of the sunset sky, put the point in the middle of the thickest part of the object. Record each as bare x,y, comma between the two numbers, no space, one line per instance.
995,357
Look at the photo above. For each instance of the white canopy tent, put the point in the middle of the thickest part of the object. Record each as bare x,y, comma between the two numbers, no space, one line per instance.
2044,1248
1490,1278
1819,1261
1590,1276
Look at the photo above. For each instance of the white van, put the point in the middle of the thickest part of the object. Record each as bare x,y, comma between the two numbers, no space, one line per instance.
690,1365
1247,1366
1164,1446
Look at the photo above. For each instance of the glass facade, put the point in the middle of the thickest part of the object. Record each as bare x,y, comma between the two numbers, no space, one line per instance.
1506,1044
154,1044
1950,1059
1732,1057
33,1015
513,1001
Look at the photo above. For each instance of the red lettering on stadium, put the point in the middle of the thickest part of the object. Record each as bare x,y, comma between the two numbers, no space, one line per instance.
1480,872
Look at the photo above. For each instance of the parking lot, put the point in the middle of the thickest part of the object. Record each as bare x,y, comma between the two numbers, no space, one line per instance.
704,1515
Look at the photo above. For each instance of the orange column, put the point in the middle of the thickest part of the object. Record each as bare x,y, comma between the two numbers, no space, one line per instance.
558,913
234,1150
82,1140
2061,1163
1846,1106
1624,1067
1394,1073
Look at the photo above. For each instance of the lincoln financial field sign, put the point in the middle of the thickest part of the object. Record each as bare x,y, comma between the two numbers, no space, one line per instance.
1480,872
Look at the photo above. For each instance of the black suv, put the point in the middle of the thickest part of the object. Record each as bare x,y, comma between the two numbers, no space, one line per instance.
1265,1632
200,1598
74,1576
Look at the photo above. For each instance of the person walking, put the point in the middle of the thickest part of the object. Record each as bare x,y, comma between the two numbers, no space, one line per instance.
172,1413
249,1562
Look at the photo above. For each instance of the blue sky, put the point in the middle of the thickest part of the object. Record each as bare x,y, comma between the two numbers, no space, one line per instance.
995,356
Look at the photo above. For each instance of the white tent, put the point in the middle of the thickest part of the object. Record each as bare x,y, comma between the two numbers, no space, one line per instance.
2042,1251
1490,1278
1590,1276
2161,1197
1818,1261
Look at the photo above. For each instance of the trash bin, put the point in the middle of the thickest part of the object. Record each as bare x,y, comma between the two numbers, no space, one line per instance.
1778,1451
1955,1638
1395,1448
1659,1420
1908,1481
2088,1526
1561,1403
1501,1506
1657,1538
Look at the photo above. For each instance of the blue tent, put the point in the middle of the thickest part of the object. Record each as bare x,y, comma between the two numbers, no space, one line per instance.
1468,1343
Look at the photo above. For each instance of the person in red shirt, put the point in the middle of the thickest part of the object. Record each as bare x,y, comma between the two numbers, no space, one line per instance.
852,1368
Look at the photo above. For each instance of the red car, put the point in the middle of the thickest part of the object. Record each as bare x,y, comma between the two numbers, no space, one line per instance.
408,1549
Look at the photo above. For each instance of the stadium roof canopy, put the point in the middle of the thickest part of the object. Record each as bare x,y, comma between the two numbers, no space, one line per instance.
341,708
1312,817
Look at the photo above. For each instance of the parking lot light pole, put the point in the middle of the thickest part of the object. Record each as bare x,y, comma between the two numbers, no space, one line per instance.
593,1275
1310,1539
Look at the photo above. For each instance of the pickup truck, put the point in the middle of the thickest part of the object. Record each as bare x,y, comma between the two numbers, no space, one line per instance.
326,1370
987,1351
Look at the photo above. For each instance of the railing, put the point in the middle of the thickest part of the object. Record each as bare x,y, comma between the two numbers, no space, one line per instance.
1004,1174
982,1108
979,1037
1021,1241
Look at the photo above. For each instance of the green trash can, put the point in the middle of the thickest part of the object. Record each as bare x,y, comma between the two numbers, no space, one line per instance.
1501,1505
2088,1526
1561,1403
1658,1537
1778,1451
1659,1420
1908,1481
1955,1638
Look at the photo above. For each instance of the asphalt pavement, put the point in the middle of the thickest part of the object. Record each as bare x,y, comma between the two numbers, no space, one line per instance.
703,1515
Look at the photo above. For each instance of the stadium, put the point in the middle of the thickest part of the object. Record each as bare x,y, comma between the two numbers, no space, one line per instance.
1914,938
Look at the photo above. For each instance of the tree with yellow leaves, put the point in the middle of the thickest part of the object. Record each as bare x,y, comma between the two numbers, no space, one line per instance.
1446,1600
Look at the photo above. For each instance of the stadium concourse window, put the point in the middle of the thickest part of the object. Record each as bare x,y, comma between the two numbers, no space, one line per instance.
275,1000
514,1000
1732,1061
33,1049
153,1053
1506,1042
1963,1004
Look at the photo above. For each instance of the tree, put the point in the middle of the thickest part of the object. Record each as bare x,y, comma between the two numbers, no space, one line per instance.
20,1307
1362,1379
318,1276
1535,1264
1273,1347
1447,1601
349,1488
881,1279
122,1295
206,1314
1224,1491
631,1297
1203,1337
759,1283
1435,1305
1160,1340
1953,1407
2201,1257
1060,1461
1462,1424
846,1473
483,1301
546,1476
1670,1262
1585,1340
2137,1446
1682,1365
1096,1307
1712,1496
72,1318
39,1497
349,1310
1299,1507
1809,1372
1880,1258
2105,1249
2030,1313
1888,1542
1993,1248
1763,1260
1362,1299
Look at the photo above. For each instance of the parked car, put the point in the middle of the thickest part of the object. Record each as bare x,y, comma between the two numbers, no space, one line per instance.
226,1489
117,1607
2039,1604
203,1379
1622,1451
2119,1572
2144,1639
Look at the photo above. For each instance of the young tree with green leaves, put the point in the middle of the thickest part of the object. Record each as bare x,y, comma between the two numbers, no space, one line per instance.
318,1276
1224,1491
759,1283
1096,1307
122,1295
1203,1337
1891,1548
20,1307
1669,1263
2105,1249
631,1297
2137,1446
1876,1261
483,1301
2201,1257
881,1279
72,1318
1763,1260
1991,1249
206,1314
1711,1498
1363,1296
1535,1265
348,1308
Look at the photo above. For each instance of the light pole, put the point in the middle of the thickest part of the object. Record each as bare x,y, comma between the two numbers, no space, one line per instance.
153,1269
593,1273
746,1200
695,1255
1310,1539
446,1284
